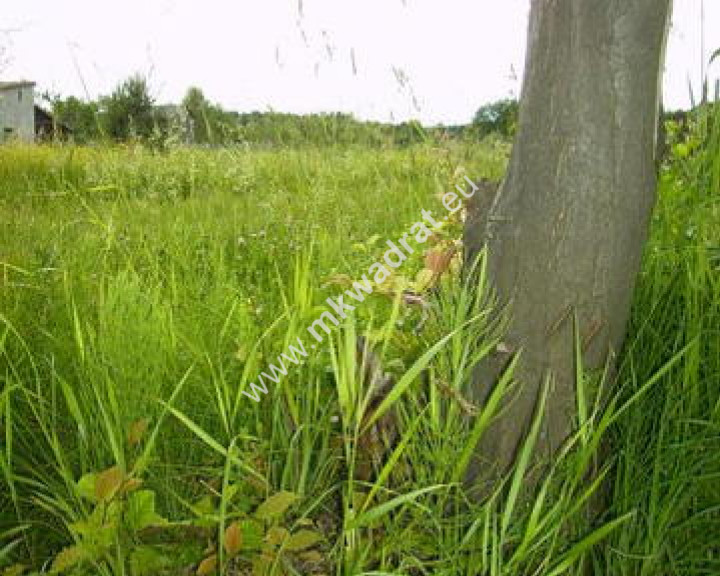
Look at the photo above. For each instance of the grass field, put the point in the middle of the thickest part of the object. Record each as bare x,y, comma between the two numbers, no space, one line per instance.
142,292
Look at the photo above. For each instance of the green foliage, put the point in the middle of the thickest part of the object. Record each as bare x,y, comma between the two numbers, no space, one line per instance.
210,124
498,117
81,117
668,478
128,112
113,511
141,292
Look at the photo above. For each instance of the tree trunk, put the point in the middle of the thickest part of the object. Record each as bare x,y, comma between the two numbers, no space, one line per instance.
566,229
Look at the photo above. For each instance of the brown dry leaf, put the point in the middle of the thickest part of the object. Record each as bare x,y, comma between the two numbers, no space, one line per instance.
438,260
108,483
233,539
208,566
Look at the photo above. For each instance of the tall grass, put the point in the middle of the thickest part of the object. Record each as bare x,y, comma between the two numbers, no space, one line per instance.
141,293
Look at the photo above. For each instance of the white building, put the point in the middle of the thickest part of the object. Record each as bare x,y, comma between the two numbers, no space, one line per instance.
17,111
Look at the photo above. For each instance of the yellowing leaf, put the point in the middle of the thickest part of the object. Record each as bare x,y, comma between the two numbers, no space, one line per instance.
137,431
233,539
312,556
302,540
339,279
242,353
305,522
276,505
261,565
131,485
208,566
108,483
67,558
15,570
276,536
424,279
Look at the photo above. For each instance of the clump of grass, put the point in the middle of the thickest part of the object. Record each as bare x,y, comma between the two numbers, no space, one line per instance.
666,443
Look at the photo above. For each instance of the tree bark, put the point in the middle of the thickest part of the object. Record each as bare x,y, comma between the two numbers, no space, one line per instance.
566,229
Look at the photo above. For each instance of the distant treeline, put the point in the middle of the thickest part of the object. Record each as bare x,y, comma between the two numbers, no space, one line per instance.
131,113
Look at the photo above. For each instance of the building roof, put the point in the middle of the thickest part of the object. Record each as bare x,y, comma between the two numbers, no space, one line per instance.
17,84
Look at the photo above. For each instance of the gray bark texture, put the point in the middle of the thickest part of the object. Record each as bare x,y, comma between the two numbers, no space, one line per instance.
566,228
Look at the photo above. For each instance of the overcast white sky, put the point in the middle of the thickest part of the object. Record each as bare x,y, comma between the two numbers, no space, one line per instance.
436,60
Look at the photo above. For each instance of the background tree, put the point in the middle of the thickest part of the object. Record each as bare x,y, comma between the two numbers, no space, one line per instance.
498,117
197,107
566,229
80,116
210,123
128,111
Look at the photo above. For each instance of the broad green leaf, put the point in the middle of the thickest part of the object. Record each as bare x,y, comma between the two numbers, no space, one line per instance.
147,561
86,487
141,511
204,507
276,535
276,505
302,540
252,534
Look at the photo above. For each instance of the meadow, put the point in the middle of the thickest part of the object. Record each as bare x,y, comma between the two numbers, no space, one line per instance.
142,291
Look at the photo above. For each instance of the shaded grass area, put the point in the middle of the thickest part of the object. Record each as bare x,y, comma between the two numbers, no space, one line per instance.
667,444
141,293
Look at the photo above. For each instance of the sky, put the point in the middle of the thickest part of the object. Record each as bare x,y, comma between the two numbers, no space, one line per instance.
387,60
